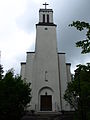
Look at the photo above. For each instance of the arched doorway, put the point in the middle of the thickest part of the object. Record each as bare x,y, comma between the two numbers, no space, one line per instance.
45,99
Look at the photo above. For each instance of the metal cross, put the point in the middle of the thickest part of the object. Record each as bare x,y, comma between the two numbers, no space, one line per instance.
45,5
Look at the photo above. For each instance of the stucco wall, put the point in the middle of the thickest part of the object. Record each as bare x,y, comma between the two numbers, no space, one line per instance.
29,66
46,59
63,80
68,65
23,71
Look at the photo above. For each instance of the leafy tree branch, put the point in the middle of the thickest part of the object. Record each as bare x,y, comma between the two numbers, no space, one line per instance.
85,43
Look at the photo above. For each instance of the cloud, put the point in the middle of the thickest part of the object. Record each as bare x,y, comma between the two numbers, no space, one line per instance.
13,40
67,36
17,29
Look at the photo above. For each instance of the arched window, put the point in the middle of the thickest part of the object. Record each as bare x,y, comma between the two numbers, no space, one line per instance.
47,18
43,18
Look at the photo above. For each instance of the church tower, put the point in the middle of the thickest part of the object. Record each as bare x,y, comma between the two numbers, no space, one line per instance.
46,68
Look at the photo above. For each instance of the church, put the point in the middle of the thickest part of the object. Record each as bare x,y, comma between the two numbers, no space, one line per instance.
46,68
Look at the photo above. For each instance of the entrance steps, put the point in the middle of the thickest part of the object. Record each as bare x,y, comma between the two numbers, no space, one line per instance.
48,116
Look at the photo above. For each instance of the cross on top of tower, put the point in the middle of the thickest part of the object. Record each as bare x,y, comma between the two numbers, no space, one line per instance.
45,5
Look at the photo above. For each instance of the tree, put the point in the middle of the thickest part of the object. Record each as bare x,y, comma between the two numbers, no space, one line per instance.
77,93
84,44
14,96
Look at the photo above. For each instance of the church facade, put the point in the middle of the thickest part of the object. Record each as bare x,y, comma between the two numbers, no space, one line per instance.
46,69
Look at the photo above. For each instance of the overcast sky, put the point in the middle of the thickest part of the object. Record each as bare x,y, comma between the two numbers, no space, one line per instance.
17,29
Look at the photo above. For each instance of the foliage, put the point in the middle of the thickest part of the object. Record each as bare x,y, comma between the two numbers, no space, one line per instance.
77,93
14,96
84,44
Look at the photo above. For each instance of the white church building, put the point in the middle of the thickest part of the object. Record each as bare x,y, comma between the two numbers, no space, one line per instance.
46,68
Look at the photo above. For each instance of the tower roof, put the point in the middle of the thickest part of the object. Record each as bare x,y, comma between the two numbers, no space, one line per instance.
45,10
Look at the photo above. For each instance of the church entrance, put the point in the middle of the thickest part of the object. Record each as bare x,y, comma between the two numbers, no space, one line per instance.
46,103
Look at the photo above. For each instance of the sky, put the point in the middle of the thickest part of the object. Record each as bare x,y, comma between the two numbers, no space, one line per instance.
18,30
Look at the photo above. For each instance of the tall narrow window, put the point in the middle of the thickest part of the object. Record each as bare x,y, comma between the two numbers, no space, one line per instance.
43,18
47,18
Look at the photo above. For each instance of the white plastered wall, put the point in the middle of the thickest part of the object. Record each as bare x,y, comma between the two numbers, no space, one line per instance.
29,66
68,72
23,71
63,80
46,59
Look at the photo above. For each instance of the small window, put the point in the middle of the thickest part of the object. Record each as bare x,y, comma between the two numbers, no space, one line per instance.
43,18
47,18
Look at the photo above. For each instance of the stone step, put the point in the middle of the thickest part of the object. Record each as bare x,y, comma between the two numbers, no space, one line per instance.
48,116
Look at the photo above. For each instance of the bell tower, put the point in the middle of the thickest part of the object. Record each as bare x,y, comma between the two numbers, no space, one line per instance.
45,15
45,69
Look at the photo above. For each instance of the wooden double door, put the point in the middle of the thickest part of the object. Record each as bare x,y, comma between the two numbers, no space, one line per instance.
46,103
